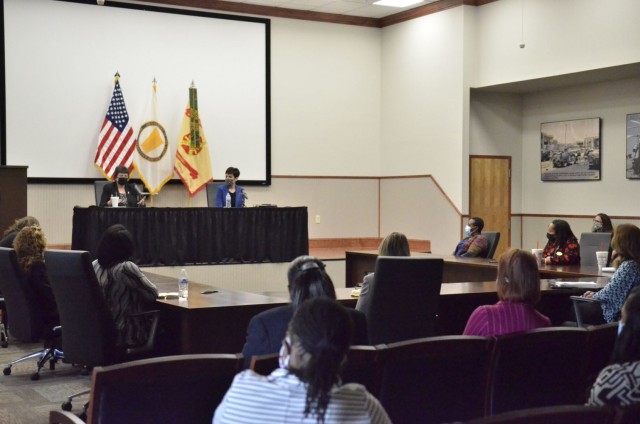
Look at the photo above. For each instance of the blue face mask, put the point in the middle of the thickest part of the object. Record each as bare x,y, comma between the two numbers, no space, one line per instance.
467,231
620,327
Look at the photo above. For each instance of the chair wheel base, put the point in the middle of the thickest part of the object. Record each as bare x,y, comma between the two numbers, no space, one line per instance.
66,406
6,371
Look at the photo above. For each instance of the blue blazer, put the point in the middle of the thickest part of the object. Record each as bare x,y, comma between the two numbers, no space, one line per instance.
221,195
267,329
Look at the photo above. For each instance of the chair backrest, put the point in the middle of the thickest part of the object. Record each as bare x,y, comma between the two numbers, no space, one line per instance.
98,186
264,364
554,415
26,321
600,342
211,194
542,367
590,243
89,333
404,298
493,238
171,389
437,379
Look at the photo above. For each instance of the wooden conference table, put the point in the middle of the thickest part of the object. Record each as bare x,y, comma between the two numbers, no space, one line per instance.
456,269
217,322
178,236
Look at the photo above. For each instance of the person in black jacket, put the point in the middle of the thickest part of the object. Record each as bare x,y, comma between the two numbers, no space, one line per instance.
307,280
128,193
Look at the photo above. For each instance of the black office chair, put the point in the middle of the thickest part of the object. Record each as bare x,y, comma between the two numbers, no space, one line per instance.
98,186
436,379
404,298
27,323
211,194
493,238
90,333
590,243
587,311
172,389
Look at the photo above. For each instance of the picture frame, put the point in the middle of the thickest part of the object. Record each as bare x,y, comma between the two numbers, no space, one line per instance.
571,150
633,146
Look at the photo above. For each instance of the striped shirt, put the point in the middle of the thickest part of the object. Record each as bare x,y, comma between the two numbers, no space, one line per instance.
280,398
504,318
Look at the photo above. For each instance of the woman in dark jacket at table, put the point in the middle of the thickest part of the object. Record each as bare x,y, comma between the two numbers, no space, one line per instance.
562,247
126,289
29,245
307,280
127,193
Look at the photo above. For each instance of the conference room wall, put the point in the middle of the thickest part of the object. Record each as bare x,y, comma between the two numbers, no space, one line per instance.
560,37
417,207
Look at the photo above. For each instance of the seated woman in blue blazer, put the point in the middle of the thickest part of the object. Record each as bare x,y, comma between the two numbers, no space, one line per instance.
307,280
235,192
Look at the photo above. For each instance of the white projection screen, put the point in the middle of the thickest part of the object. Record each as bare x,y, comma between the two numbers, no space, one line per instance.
61,58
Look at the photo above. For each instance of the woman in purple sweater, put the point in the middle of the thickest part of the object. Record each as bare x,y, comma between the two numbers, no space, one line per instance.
518,286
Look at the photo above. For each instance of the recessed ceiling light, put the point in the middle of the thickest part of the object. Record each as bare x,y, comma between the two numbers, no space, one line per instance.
397,3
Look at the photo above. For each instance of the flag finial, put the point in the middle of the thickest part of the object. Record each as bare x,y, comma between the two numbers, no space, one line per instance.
193,84
116,77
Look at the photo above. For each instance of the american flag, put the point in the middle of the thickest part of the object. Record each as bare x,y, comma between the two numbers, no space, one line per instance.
116,142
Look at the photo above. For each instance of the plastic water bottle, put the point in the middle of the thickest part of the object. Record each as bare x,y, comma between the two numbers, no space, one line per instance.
183,284
228,201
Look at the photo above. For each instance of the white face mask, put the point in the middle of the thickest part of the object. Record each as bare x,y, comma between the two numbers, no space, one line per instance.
284,356
467,230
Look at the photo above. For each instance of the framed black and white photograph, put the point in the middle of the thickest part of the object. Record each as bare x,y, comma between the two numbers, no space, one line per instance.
570,150
633,146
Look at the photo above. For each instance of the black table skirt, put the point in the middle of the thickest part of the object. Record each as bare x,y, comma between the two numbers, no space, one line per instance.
177,236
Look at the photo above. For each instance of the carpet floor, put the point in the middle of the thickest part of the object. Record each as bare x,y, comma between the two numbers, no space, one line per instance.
25,401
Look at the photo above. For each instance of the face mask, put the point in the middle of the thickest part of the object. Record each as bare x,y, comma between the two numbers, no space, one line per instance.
122,181
283,356
228,181
597,226
620,327
467,230
551,237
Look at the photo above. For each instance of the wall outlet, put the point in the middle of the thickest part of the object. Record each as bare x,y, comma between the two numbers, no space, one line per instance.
317,219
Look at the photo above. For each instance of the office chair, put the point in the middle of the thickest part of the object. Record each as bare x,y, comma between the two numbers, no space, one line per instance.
493,238
90,334
172,389
590,243
98,186
27,323
587,310
211,194
404,298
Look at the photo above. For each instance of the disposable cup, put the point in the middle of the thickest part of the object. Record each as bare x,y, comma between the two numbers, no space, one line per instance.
114,202
601,257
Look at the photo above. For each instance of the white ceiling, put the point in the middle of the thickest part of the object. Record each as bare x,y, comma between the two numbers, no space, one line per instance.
363,8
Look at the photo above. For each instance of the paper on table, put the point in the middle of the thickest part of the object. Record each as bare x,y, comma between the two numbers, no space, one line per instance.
168,295
608,269
576,284
355,293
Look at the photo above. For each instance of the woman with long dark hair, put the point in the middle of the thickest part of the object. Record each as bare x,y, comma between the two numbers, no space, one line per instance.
619,383
562,247
306,388
126,289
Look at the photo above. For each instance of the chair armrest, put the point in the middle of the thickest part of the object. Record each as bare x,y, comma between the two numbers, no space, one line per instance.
580,303
154,317
63,417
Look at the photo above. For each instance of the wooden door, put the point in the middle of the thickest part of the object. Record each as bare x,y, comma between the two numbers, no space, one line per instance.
490,195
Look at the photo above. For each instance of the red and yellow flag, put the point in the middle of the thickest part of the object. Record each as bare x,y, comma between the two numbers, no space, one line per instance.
193,163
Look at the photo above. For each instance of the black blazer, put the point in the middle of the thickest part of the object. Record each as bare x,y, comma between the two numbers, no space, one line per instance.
111,189
267,329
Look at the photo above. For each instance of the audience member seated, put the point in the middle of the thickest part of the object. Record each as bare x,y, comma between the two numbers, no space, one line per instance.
125,287
29,245
11,232
626,260
619,383
518,285
306,388
395,244
307,279
127,193
602,224
474,244
235,192
562,247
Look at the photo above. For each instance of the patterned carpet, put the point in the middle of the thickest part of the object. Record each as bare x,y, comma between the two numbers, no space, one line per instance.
26,401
